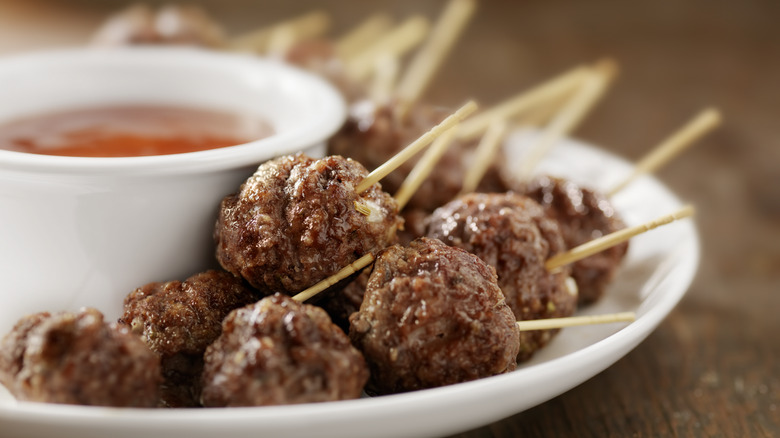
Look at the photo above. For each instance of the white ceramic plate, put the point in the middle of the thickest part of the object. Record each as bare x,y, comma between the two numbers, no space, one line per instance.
656,273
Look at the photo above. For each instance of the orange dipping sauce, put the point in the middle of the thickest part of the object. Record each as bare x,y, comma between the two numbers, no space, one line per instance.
129,131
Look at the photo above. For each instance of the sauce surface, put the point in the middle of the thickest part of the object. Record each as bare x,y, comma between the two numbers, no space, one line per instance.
129,131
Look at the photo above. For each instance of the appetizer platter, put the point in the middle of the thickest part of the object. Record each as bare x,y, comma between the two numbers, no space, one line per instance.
434,271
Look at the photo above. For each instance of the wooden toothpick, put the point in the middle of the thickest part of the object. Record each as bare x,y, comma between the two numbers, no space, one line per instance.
345,272
396,42
541,94
591,89
555,323
408,152
673,145
430,57
423,168
484,156
257,41
363,35
612,239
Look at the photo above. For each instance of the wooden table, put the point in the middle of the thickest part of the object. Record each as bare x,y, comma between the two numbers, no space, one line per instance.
713,367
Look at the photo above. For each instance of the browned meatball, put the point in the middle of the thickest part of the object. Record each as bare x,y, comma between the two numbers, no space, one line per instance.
77,358
171,24
295,222
433,315
582,215
511,233
374,134
178,320
278,351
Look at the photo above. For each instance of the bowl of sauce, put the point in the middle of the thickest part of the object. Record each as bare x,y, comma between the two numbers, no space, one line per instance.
129,131
113,163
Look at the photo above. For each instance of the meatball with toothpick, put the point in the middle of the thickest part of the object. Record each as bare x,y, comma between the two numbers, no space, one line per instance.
278,351
432,315
299,220
511,233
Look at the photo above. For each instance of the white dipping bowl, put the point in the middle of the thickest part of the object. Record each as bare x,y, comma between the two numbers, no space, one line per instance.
78,231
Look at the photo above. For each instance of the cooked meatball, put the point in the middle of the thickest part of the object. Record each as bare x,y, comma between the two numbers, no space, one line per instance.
582,215
278,351
511,233
178,320
172,24
296,222
433,315
374,134
77,358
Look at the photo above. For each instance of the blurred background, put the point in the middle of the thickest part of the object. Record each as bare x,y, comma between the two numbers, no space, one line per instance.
712,368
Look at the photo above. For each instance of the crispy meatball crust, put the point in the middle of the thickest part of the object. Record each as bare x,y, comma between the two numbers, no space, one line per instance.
77,358
184,317
295,222
511,233
178,320
582,215
277,352
433,315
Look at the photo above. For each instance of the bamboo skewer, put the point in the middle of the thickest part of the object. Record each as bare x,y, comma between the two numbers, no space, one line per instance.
680,140
386,69
484,155
590,91
430,57
396,42
363,35
549,90
423,168
555,323
312,24
612,239
415,147
345,272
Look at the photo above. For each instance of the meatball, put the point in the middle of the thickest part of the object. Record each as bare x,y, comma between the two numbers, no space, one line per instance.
296,221
78,358
433,315
511,233
582,215
171,24
374,134
178,320
278,351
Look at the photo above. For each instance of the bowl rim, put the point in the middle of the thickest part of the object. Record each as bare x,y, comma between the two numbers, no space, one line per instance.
329,118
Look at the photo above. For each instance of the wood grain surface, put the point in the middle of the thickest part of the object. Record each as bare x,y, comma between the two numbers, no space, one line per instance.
713,366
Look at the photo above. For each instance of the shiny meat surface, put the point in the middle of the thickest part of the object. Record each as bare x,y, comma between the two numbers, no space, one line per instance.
433,315
277,352
511,233
77,358
582,215
178,320
295,222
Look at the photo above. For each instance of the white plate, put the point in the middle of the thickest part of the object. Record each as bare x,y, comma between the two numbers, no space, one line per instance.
656,273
